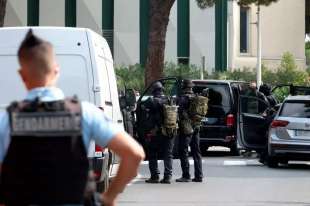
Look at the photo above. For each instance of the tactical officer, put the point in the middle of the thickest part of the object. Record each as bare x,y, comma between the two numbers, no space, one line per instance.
266,90
188,136
44,138
269,116
253,106
158,142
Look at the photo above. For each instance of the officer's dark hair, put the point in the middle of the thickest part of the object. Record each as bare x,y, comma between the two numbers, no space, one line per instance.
37,52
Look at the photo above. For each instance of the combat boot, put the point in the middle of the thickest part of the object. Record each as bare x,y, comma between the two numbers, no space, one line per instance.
183,179
153,180
197,179
166,180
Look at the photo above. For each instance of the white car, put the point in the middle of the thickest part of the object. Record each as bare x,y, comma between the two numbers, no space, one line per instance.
289,135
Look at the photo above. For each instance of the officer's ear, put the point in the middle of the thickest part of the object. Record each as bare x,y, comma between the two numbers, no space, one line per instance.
23,77
56,70
22,74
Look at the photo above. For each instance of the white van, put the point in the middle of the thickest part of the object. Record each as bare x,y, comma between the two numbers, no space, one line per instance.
86,70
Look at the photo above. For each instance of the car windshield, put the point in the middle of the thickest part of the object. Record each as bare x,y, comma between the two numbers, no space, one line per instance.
296,109
218,94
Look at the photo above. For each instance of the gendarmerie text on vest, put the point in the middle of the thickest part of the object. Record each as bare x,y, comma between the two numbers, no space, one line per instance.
42,123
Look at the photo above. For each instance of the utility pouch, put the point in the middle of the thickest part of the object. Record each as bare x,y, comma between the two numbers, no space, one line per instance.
186,126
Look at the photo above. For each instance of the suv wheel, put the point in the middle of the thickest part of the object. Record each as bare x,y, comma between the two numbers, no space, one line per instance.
272,162
284,162
204,149
234,151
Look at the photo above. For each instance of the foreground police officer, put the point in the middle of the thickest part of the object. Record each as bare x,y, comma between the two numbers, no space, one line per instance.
158,142
188,136
44,138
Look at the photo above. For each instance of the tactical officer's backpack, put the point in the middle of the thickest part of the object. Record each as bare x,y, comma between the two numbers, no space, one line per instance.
198,108
170,125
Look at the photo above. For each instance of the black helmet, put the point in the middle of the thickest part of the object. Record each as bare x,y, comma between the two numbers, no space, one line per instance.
187,83
157,86
265,89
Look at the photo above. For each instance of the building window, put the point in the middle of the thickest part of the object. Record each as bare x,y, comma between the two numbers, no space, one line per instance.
308,16
244,30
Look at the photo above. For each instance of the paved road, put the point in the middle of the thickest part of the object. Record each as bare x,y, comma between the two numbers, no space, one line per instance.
230,181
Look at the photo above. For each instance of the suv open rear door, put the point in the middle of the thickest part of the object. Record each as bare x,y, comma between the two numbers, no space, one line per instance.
253,120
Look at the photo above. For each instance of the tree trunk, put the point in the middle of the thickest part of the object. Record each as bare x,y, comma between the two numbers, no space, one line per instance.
159,19
2,11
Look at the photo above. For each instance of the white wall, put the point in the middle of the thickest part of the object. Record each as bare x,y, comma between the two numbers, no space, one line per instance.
16,13
283,30
202,35
171,50
52,13
89,14
126,32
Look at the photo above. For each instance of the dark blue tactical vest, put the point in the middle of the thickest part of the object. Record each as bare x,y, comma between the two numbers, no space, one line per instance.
46,162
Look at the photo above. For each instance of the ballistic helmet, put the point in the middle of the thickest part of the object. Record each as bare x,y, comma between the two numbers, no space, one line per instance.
265,89
157,86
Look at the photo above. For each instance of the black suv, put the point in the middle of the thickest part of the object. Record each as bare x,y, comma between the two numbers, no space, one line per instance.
219,128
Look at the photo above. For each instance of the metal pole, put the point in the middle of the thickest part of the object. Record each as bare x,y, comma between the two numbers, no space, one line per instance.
259,50
203,63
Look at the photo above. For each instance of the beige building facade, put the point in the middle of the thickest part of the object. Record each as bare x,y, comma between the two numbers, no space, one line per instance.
283,29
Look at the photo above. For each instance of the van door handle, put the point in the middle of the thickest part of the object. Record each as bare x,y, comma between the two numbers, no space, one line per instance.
119,121
108,103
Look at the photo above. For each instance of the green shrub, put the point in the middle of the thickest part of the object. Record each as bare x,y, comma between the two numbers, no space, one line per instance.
286,73
289,73
308,56
246,74
307,45
130,77
308,70
182,71
269,76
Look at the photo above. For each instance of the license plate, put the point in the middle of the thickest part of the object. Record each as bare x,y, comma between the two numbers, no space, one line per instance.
98,154
304,133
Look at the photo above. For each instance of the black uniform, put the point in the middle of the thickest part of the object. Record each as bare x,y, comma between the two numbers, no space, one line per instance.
252,105
46,141
266,90
157,142
188,139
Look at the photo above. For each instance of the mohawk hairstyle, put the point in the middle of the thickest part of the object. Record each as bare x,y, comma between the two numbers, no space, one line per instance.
36,53
29,42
